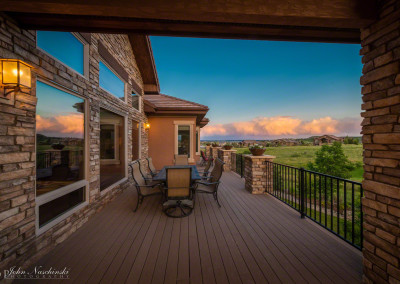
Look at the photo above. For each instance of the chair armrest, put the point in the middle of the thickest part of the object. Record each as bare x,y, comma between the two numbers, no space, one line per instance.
208,183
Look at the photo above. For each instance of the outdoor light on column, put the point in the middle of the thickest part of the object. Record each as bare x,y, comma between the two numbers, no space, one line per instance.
14,75
147,126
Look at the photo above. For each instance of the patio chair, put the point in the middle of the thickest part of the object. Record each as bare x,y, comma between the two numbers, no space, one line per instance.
204,158
144,189
148,177
181,160
210,185
206,170
178,192
151,167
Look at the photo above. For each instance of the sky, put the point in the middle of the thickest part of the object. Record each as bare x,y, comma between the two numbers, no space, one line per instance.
264,89
56,115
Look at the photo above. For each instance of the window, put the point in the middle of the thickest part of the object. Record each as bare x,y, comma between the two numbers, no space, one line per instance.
197,140
108,140
136,101
60,144
58,206
65,47
112,148
110,82
184,140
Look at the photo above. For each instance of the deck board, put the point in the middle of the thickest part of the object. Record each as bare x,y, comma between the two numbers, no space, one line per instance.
250,239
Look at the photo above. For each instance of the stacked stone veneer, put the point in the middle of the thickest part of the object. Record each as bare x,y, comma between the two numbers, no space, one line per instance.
19,242
381,142
258,176
226,157
214,152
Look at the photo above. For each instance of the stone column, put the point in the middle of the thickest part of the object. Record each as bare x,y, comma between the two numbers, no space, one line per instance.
381,142
233,161
257,174
226,156
214,152
208,151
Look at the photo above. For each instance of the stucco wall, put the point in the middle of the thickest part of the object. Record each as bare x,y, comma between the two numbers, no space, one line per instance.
161,139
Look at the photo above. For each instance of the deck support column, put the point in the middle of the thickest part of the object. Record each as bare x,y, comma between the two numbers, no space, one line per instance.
258,175
226,157
208,151
214,152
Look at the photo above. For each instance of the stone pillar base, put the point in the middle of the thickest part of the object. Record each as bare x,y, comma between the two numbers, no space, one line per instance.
226,157
208,151
214,152
257,175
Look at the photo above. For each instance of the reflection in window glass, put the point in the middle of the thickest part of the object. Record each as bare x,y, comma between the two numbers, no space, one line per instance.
58,206
59,139
107,138
112,145
135,101
64,46
184,140
111,82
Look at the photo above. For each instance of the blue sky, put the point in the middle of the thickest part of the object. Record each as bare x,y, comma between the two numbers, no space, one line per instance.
246,81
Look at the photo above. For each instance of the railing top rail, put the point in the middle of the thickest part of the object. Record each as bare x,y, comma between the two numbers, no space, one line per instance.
317,173
339,178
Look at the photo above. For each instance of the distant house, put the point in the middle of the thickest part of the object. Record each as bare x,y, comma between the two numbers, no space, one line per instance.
326,139
285,142
247,143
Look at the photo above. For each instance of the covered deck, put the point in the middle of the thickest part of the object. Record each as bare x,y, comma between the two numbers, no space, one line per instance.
250,239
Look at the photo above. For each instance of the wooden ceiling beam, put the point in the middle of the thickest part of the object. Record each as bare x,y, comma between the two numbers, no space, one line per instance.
298,20
185,29
321,13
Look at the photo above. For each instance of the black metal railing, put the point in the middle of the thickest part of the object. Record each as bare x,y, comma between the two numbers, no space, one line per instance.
239,164
332,202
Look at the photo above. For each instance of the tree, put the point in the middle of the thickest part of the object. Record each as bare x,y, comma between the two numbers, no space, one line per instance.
350,140
331,160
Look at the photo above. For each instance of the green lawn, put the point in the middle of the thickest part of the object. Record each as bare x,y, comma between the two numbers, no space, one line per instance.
299,156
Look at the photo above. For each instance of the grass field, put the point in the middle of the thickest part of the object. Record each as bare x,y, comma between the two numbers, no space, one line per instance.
299,156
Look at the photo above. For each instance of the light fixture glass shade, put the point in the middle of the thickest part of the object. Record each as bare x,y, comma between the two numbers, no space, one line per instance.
15,73
10,73
24,75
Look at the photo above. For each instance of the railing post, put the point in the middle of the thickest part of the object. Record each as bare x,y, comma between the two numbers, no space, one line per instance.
302,193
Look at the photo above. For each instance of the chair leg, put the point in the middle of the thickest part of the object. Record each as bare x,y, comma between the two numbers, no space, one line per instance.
216,198
137,203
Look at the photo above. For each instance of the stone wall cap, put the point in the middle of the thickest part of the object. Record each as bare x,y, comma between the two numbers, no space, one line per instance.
260,157
228,150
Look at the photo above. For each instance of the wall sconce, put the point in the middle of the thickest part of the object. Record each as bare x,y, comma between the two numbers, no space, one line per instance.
147,126
14,75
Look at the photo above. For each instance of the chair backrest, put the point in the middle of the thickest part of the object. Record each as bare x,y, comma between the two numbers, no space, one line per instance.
152,168
203,155
181,160
142,168
136,174
207,168
178,182
216,172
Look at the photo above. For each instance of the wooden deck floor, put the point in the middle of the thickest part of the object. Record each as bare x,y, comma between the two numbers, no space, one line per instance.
250,239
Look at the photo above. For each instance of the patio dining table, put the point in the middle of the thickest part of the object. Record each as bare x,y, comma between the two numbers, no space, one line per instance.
162,175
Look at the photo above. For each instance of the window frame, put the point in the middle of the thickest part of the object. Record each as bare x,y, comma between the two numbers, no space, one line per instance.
125,140
139,101
198,140
191,124
50,196
119,77
86,55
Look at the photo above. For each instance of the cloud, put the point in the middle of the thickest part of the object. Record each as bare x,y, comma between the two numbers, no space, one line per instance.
71,125
283,126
